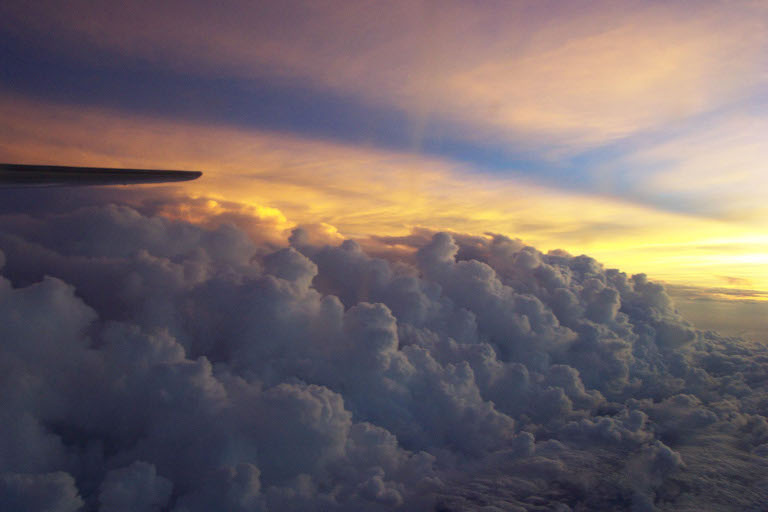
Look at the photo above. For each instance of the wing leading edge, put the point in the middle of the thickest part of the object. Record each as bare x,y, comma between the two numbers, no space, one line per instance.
18,175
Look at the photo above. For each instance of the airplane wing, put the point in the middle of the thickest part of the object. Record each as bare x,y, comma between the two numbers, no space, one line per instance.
18,175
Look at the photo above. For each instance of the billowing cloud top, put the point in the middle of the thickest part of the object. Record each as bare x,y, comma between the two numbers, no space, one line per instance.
151,364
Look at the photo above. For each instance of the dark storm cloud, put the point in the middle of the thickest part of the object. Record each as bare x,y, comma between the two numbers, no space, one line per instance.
154,364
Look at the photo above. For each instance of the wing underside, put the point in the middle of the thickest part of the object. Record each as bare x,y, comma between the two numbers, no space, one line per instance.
18,175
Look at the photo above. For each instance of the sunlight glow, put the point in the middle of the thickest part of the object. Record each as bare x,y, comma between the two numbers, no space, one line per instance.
338,191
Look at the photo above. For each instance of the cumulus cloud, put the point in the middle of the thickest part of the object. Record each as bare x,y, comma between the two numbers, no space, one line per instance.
51,491
134,488
156,364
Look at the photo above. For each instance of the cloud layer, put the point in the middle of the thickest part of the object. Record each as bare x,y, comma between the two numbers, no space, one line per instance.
154,364
496,70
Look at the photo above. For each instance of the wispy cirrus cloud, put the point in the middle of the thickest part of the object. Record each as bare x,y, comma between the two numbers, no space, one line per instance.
643,101
569,75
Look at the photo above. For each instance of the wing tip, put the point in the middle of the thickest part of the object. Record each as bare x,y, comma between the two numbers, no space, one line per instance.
47,175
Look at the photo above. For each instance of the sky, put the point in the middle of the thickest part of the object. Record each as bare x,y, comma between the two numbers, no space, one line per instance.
394,286
634,129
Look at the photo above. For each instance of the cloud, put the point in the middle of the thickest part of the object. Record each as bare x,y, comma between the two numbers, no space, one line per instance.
495,70
736,281
149,363
729,311
136,487
52,491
